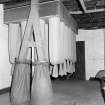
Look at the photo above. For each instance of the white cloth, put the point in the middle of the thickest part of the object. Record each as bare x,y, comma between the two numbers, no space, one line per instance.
64,68
61,37
60,70
65,42
55,40
51,70
70,45
14,39
55,71
68,66
74,47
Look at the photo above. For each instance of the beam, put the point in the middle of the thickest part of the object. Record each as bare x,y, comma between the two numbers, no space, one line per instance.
83,5
87,11
75,12
95,10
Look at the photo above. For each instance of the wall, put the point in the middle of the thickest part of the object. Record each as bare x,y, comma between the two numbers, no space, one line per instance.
94,50
5,67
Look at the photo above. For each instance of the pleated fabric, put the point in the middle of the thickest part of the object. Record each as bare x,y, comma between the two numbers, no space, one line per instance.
41,93
20,86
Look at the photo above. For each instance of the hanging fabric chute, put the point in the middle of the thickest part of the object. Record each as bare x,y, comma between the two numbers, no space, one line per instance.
55,41
73,67
55,71
73,43
61,39
68,42
74,47
64,68
70,45
14,41
60,70
65,42
46,45
68,66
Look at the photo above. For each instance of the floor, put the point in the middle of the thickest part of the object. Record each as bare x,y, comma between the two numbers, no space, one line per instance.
71,93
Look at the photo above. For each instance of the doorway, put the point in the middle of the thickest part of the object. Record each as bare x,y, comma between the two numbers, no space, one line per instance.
80,64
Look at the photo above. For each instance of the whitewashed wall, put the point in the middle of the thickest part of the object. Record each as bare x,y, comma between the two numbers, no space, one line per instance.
5,77
94,50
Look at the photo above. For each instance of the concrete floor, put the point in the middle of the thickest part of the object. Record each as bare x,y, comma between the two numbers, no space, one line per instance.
71,93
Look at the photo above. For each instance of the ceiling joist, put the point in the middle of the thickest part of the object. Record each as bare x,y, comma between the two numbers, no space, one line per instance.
87,11
83,5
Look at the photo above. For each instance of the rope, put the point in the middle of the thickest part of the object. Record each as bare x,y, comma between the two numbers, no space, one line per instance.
17,61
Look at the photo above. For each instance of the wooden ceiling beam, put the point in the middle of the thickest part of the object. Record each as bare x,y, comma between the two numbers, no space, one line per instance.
88,11
83,5
95,10
75,12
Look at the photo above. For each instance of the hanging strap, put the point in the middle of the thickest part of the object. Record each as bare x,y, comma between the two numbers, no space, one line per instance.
28,29
17,61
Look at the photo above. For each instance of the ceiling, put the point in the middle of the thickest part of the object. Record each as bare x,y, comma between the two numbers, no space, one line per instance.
89,14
